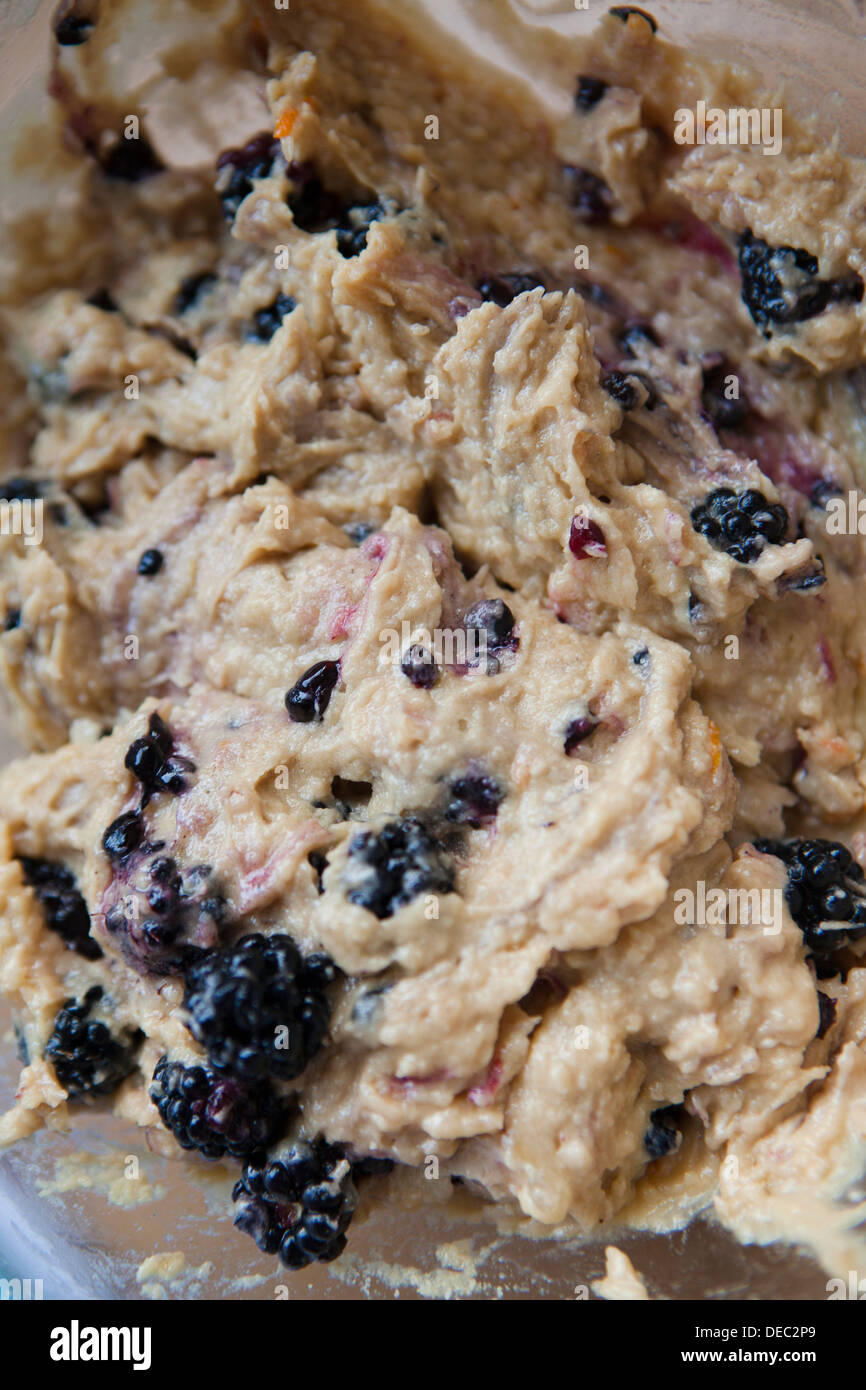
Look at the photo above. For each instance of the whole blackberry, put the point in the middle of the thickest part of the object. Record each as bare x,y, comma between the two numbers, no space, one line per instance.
474,800
215,1115
740,523
64,907
826,893
663,1135
298,1202
88,1058
501,289
781,284
388,868
237,168
259,1008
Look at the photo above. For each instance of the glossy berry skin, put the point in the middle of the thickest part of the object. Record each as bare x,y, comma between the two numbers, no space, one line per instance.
63,904
150,563
502,289
419,667
726,412
825,893
87,1056
493,618
388,868
298,1202
153,762
237,168
740,523
781,284
474,800
266,321
310,696
589,92
124,835
259,1008
617,385
213,1114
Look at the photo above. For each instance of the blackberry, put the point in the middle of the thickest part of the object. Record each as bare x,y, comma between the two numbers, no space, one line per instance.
617,385
388,868
266,321
123,835
243,1000
474,800
12,620
581,728
740,523
298,1202
780,284
237,168
826,1013
150,563
153,762
130,161
589,195
825,893
314,207
501,289
624,11
215,1115
725,412
163,919
494,619
663,1135
62,903
87,1057
420,668
352,238
71,29
190,290
20,490
589,92
311,694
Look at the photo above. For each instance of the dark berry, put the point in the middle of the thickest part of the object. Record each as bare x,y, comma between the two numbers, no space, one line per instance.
617,385
103,299
623,11
123,835
726,412
266,321
474,800
259,1008
822,491
586,538
578,730
826,1013
60,899
314,207
501,289
740,523
88,1058
352,238
298,1202
130,161
151,562
71,29
825,892
358,531
190,289
215,1115
663,1135
388,868
420,668
635,336
162,919
310,696
20,490
589,195
12,620
589,93
152,761
237,168
493,618
780,284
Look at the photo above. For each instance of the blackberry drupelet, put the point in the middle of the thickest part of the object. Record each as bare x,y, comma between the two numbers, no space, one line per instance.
298,1203
780,284
259,1008
153,762
493,618
617,385
266,321
826,893
419,666
589,92
237,168
474,800
726,412
501,289
310,696
352,238
162,917
589,195
124,835
740,523
88,1058
388,868
150,563
62,903
663,1135
215,1115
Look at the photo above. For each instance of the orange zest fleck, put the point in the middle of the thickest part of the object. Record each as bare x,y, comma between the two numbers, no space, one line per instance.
286,123
715,746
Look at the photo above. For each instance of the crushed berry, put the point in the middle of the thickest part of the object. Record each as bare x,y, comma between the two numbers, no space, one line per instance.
578,730
474,800
311,694
130,161
825,893
492,617
352,239
152,761
780,284
150,562
156,912
237,168
62,903
726,413
388,868
589,93
663,1135
740,523
586,538
589,195
420,667
502,289
266,321
190,290
617,385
